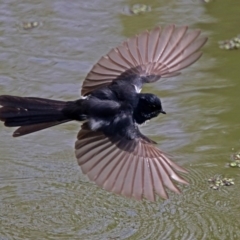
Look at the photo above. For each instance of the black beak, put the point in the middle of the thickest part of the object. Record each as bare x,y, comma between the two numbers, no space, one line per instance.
163,112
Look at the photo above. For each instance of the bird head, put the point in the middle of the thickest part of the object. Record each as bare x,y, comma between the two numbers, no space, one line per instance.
149,106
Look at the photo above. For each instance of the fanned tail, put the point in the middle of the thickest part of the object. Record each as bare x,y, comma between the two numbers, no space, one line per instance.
31,114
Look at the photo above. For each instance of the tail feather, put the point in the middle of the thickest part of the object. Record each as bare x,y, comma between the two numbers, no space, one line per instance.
14,117
30,102
24,130
31,114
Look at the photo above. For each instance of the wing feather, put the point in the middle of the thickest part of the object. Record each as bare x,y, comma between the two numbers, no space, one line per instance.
132,168
138,180
161,52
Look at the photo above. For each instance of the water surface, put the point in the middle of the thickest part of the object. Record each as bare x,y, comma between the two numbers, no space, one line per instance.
43,194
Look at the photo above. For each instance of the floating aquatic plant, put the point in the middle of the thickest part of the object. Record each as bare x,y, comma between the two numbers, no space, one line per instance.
217,181
30,25
139,9
235,160
136,9
233,43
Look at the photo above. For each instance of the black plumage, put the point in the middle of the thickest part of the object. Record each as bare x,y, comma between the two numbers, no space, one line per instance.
110,148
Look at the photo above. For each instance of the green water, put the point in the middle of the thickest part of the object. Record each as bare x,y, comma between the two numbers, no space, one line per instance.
43,194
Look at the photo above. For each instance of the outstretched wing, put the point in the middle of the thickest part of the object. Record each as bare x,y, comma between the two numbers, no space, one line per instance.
133,168
160,52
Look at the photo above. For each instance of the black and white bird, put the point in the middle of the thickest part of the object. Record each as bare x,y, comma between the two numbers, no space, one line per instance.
110,148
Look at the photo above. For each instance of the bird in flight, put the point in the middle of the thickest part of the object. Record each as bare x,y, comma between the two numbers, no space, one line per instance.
110,148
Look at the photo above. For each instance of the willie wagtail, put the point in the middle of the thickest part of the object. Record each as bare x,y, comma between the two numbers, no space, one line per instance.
110,148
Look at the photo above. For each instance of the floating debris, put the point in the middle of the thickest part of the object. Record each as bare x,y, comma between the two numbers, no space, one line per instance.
233,43
236,156
217,181
236,161
30,25
234,164
137,9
